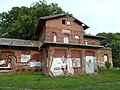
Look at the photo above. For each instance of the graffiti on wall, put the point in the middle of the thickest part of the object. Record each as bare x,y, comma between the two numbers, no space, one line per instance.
5,61
90,64
8,59
64,66
35,60
25,58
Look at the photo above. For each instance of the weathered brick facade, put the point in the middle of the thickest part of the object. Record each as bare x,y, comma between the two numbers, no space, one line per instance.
79,55
63,49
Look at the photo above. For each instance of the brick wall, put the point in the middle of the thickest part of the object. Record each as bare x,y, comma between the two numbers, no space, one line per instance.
77,71
19,57
90,41
101,53
55,25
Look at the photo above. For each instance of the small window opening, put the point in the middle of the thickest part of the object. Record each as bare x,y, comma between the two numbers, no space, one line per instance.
85,42
63,22
68,22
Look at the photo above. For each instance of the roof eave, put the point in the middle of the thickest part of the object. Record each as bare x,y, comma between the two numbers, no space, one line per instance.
70,45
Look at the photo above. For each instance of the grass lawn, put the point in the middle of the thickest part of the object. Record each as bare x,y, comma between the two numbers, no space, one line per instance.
106,80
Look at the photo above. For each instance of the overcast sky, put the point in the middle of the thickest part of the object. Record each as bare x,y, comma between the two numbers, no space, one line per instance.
99,15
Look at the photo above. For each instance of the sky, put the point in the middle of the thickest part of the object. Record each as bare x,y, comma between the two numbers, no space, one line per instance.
99,15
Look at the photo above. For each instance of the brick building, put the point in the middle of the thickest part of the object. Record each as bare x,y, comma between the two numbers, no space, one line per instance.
67,49
63,49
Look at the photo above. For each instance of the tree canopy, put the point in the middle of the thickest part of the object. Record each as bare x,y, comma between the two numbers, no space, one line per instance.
21,22
112,40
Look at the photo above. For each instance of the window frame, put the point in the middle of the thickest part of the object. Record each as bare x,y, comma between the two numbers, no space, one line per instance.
66,38
77,39
54,37
106,58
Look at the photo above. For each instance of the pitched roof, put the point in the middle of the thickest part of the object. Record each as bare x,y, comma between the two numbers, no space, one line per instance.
19,42
42,21
92,36
64,14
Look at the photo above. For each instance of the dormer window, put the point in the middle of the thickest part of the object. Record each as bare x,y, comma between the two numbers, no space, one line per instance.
63,22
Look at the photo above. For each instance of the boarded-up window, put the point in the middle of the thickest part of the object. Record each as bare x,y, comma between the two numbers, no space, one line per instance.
75,54
25,56
5,54
59,53
89,53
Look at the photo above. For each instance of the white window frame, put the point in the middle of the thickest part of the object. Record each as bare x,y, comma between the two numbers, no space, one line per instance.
66,39
54,38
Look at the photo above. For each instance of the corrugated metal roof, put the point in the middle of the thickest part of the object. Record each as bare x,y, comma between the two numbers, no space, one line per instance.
19,42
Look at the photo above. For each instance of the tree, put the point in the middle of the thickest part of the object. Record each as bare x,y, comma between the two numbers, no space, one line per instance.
21,22
112,40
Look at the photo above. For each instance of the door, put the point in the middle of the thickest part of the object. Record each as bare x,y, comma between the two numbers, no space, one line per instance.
90,65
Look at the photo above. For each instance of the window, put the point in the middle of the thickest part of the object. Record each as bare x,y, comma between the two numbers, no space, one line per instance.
105,58
66,38
85,42
63,22
59,53
76,61
68,22
54,37
77,39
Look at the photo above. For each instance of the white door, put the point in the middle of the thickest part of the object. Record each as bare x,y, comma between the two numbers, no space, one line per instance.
89,64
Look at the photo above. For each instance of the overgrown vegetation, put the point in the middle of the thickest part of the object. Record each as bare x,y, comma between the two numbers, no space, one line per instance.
108,79
107,64
112,40
21,22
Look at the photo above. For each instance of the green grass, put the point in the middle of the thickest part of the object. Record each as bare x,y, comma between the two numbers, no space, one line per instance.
106,80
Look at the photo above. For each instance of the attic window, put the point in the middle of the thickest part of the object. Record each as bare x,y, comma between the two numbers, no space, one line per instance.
68,22
63,22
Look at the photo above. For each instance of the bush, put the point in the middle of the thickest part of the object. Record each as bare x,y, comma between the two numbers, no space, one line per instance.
107,64
116,62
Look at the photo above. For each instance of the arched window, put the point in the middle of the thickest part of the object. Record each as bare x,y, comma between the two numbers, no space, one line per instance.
54,37
66,38
77,39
